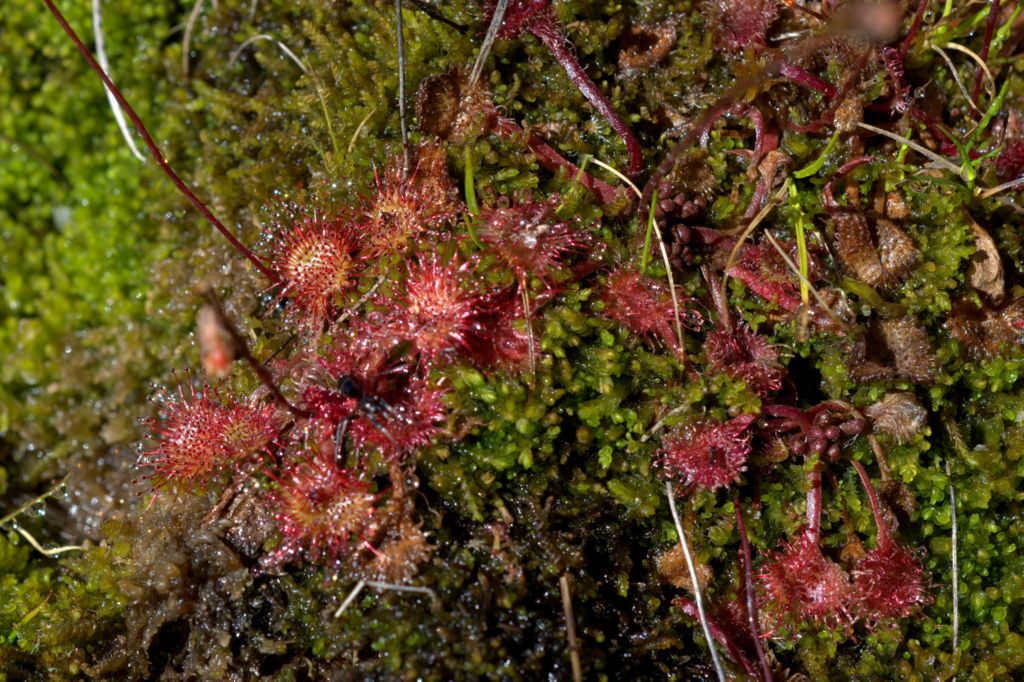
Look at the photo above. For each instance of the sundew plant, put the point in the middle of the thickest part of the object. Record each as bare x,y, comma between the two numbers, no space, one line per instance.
511,339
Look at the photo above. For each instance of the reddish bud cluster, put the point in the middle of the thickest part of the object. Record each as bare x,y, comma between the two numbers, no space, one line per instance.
709,455
815,431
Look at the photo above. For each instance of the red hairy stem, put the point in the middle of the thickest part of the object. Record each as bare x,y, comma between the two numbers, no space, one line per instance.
922,5
802,76
884,533
990,27
814,504
549,158
545,29
720,635
844,170
151,145
748,581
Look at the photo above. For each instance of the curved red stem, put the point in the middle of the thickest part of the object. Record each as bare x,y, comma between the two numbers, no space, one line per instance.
748,580
718,297
922,5
720,635
545,29
802,76
549,158
845,169
884,532
153,149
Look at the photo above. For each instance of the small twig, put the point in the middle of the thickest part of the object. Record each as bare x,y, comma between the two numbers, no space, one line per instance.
695,582
34,501
570,629
617,173
42,550
281,46
796,270
485,47
530,344
956,571
350,598
359,128
998,189
362,299
672,291
658,425
401,89
434,14
384,586
749,230
186,42
940,161
956,76
101,57
990,81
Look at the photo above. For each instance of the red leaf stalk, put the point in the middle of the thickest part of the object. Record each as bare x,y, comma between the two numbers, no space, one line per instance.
748,582
537,17
153,149
990,27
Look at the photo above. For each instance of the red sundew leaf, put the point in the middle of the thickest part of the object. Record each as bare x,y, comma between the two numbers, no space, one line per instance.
644,306
710,454
321,511
439,309
412,420
889,582
737,24
392,406
200,435
500,337
800,583
764,272
518,15
745,355
528,237
316,258
1010,162
402,210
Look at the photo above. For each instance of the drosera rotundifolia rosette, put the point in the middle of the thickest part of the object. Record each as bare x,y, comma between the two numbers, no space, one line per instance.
472,375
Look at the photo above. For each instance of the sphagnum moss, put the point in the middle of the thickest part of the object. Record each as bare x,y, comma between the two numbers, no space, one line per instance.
513,473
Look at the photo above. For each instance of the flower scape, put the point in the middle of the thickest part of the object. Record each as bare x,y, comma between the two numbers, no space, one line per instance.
409,409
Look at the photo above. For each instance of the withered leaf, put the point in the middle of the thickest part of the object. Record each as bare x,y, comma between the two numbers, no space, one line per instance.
986,270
